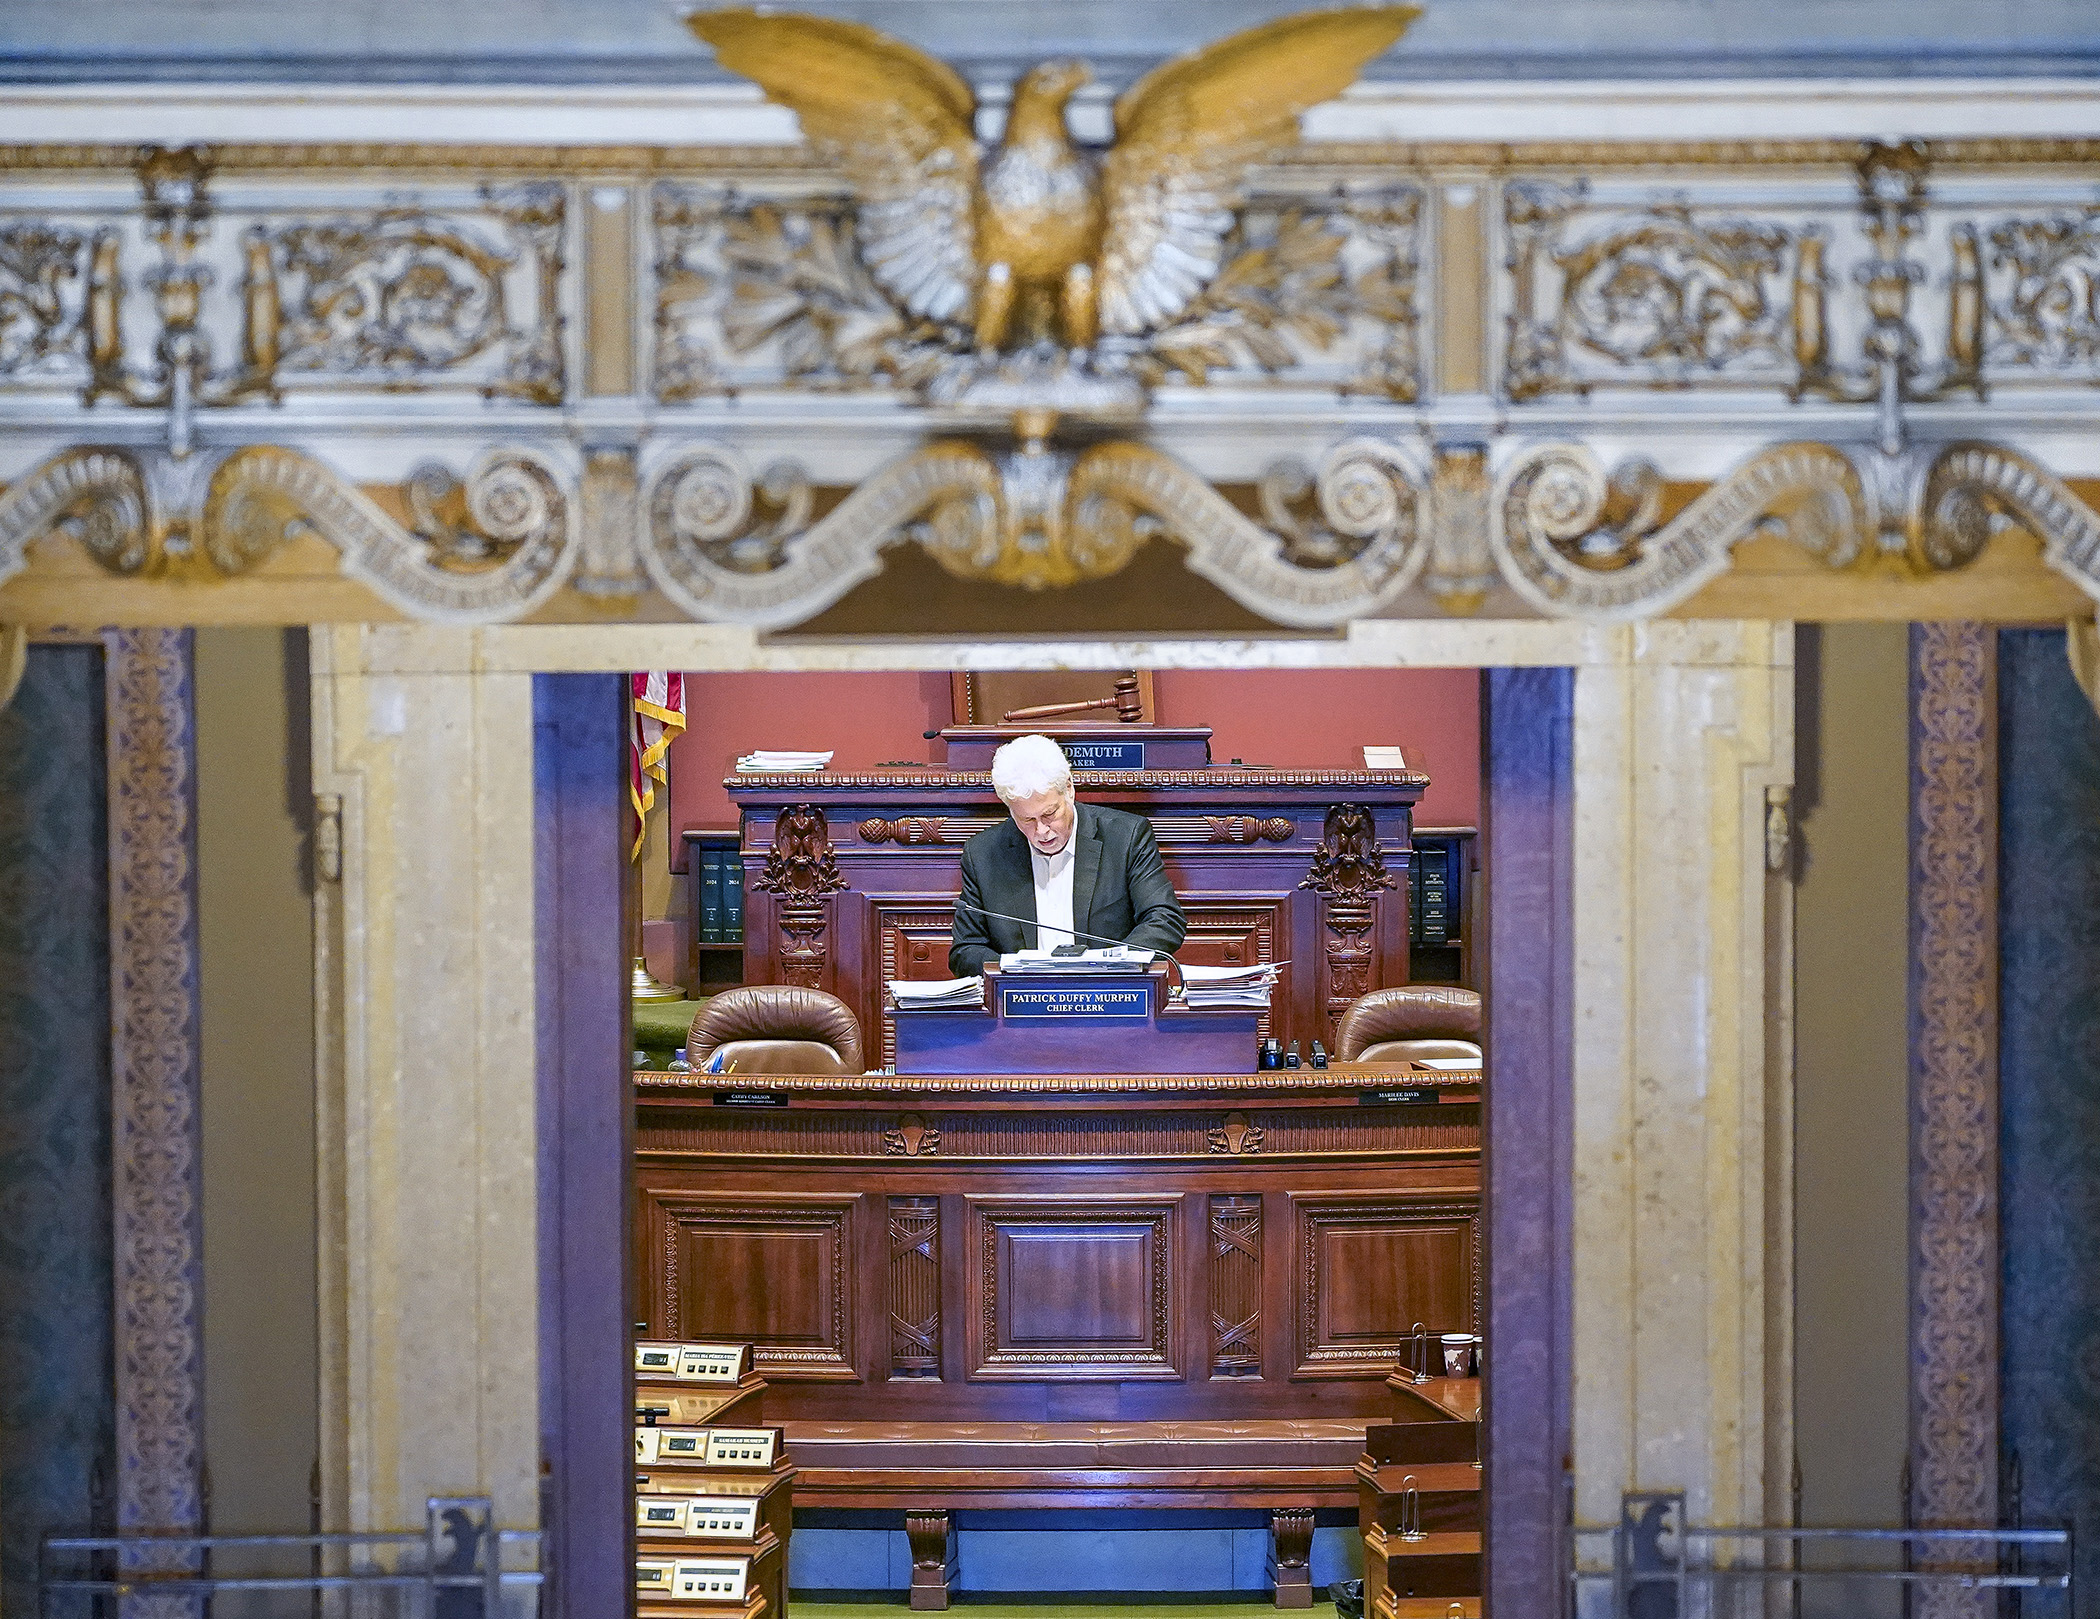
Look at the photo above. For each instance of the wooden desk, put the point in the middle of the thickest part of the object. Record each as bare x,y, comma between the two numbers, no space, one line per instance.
850,879
1036,1247
1066,1289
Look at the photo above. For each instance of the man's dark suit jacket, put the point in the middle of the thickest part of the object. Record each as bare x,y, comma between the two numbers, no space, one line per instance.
1119,889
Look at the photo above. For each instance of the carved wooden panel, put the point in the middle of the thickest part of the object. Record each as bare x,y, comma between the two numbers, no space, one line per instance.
776,1272
1073,1289
915,1287
911,942
1237,934
1370,1266
1235,1285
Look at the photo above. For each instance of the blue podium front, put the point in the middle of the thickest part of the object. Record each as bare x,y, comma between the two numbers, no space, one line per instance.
1076,1023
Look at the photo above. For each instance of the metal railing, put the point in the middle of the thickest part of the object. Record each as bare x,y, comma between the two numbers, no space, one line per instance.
1661,1566
454,1566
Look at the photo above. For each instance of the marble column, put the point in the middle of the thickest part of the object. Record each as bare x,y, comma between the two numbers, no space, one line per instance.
425,1028
1682,1072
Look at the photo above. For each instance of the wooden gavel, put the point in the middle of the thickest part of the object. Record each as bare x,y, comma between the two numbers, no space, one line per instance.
1128,703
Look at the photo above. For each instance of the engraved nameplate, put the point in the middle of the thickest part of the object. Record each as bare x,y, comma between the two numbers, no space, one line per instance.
1105,755
1044,1001
711,1579
1403,1096
742,1447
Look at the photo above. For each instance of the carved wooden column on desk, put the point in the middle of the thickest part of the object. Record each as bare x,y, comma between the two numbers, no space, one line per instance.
802,875
1348,872
915,1287
1235,1282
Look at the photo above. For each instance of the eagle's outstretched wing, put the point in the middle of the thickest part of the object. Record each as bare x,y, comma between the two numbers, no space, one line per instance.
901,124
1186,134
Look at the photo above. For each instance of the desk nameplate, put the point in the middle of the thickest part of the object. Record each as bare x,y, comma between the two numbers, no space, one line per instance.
1044,1002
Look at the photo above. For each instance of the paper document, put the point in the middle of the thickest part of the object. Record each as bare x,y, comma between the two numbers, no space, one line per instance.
768,759
1240,987
1450,1065
1113,959
942,992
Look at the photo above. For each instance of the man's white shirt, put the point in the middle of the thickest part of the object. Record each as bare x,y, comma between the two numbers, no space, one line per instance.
1053,895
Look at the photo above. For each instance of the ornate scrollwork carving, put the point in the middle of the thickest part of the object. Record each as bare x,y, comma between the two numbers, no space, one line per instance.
488,548
397,292
802,874
2049,316
99,496
42,303
1034,517
1576,542
1657,298
1348,867
406,293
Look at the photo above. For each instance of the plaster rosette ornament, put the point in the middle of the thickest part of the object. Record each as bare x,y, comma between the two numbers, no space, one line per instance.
1038,274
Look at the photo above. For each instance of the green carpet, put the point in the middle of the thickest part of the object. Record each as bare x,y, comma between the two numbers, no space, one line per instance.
659,1026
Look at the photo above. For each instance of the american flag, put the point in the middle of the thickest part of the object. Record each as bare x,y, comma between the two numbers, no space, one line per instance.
659,715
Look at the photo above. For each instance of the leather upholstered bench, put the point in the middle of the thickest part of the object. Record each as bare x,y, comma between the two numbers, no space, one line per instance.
929,1470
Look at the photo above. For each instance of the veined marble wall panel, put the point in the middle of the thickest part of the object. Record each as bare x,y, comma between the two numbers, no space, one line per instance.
1681,1290
424,961
1682,1357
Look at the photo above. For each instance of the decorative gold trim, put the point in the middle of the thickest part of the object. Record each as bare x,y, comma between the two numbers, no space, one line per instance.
797,159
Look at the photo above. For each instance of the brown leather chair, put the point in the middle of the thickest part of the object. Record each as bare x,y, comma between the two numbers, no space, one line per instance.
776,1029
1410,1023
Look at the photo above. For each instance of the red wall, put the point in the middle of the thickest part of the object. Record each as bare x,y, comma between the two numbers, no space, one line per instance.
1289,718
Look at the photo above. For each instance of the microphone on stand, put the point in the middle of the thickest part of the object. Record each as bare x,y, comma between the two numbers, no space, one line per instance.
1173,966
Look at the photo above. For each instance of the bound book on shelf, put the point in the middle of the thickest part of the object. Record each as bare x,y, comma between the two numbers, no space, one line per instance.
711,929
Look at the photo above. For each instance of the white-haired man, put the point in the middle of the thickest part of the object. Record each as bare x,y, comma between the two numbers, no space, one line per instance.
1069,866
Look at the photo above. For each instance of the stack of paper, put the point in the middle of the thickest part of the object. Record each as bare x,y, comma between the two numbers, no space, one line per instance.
918,993
1383,758
1118,958
762,760
1230,986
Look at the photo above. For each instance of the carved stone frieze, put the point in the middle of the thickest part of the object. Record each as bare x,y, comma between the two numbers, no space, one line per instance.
1656,296
43,287
772,293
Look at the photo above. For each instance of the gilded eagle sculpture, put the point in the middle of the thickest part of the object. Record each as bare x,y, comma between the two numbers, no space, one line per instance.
1038,239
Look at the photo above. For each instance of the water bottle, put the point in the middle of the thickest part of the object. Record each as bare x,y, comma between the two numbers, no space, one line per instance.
678,1063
